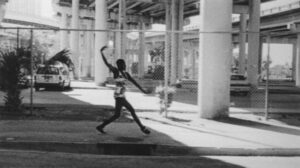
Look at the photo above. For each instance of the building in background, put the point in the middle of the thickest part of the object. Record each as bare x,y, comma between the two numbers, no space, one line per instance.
27,14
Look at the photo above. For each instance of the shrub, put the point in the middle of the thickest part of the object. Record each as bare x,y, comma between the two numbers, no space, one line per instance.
158,73
10,69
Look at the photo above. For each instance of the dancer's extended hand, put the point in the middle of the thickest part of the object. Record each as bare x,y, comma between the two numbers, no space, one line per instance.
103,48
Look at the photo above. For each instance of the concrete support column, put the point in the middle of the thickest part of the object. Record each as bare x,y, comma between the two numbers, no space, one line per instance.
176,38
93,46
167,43
242,43
297,73
63,33
253,41
294,60
215,58
89,40
121,36
142,49
2,9
101,71
74,41
148,47
194,64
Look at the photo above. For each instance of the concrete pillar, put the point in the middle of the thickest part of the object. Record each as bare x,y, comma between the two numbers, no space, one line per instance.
294,60
215,58
194,64
101,71
297,73
63,33
121,41
261,44
74,41
2,9
242,43
167,43
93,46
253,41
142,49
89,48
180,39
176,38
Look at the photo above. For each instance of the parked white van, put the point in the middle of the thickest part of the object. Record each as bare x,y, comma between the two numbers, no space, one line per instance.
56,75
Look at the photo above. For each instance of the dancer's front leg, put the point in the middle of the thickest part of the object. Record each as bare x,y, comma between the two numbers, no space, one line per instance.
117,114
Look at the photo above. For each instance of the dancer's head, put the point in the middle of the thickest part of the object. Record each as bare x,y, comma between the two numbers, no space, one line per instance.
121,64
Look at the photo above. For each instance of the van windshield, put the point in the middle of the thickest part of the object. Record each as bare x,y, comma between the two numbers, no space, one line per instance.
237,77
48,70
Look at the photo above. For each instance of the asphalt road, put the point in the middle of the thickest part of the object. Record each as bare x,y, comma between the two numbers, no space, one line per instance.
25,159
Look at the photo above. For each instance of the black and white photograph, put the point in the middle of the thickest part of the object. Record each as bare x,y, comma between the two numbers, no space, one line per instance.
149,83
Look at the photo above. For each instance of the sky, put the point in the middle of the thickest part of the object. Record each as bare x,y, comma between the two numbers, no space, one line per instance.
280,54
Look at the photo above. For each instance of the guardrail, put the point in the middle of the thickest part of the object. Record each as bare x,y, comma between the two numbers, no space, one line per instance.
275,10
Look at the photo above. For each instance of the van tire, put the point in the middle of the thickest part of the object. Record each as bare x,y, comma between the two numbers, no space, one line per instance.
62,86
37,89
69,86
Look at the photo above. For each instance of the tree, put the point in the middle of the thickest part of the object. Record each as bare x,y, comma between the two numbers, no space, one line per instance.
157,57
63,57
157,54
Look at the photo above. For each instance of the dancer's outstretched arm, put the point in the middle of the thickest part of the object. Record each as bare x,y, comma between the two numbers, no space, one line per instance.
136,84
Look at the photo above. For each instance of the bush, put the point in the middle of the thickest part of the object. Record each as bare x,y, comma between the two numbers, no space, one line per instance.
10,70
135,68
158,73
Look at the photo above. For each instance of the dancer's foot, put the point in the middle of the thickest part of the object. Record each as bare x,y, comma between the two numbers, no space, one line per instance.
100,129
145,130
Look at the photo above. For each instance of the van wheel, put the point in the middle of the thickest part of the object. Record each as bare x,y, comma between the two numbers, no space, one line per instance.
62,86
37,89
69,86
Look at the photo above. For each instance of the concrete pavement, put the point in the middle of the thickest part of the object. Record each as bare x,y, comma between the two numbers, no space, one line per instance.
202,137
182,133
12,159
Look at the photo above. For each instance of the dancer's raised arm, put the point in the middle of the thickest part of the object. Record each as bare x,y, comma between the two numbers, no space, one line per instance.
104,58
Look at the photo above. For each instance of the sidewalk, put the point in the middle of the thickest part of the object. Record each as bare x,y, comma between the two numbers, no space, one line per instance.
182,133
199,137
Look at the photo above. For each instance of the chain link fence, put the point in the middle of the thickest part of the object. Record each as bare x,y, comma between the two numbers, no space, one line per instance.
167,66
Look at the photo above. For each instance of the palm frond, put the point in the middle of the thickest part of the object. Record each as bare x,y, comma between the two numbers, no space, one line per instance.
63,57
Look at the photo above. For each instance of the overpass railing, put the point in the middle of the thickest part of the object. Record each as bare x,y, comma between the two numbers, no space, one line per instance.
275,10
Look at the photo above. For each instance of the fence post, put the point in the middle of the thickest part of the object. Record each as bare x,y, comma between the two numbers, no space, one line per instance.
267,79
31,71
18,38
167,55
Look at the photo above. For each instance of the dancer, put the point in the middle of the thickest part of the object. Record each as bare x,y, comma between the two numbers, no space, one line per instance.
120,76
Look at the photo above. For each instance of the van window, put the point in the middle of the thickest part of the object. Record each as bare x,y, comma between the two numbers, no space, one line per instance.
48,70
65,73
237,77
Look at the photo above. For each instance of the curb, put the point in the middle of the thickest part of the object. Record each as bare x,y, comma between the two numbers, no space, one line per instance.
82,147
144,149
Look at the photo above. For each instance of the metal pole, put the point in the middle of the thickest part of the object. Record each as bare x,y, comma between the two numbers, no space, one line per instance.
31,71
18,39
167,62
267,79
167,56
